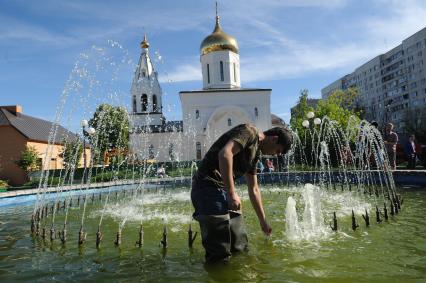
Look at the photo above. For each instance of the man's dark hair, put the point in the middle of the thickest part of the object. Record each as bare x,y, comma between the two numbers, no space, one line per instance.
374,124
285,137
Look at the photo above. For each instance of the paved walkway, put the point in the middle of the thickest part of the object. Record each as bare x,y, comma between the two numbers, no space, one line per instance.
90,186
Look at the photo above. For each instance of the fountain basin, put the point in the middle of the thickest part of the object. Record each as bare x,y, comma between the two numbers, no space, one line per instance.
389,250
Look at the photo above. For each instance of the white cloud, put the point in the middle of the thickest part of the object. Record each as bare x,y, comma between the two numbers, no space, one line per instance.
284,57
183,73
402,20
11,29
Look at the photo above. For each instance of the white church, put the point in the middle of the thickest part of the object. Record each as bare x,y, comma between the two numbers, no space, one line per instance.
207,113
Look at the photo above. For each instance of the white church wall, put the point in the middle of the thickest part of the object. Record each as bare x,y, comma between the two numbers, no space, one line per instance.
215,108
162,147
213,59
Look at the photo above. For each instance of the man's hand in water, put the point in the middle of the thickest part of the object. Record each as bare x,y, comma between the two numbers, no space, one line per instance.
234,202
266,228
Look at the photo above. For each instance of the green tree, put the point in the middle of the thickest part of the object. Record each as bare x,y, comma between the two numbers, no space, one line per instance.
340,106
415,123
112,130
71,154
298,113
29,159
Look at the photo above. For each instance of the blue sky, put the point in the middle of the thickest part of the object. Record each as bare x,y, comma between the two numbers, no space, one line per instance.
284,45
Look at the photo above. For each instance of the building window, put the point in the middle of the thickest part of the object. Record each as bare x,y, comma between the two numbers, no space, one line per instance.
222,78
197,114
208,73
134,104
154,103
235,74
143,73
256,112
229,122
151,152
198,149
144,102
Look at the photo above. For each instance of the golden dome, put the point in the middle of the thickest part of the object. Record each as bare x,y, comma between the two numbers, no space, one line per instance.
218,41
144,43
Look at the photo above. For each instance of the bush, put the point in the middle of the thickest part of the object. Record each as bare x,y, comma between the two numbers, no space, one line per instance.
3,185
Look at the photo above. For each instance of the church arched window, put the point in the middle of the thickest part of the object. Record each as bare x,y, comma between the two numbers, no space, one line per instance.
134,104
208,73
222,78
154,103
235,73
198,150
143,73
197,114
229,122
144,102
256,112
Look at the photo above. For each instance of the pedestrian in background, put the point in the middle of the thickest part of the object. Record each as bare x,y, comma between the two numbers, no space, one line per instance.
410,151
391,139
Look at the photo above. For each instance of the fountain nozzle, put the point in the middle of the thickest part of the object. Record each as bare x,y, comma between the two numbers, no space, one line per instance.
37,230
378,219
191,238
99,237
164,240
334,227
366,218
63,234
33,225
139,243
118,238
52,233
81,236
392,212
43,233
354,224
385,210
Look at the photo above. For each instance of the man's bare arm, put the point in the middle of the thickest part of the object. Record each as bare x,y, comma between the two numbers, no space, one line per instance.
256,202
225,157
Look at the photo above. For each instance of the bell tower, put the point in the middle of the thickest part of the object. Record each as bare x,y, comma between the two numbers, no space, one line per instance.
146,93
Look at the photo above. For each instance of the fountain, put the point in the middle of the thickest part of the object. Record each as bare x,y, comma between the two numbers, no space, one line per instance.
118,222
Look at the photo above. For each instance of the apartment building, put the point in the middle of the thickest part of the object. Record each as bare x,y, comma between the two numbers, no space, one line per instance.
390,84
